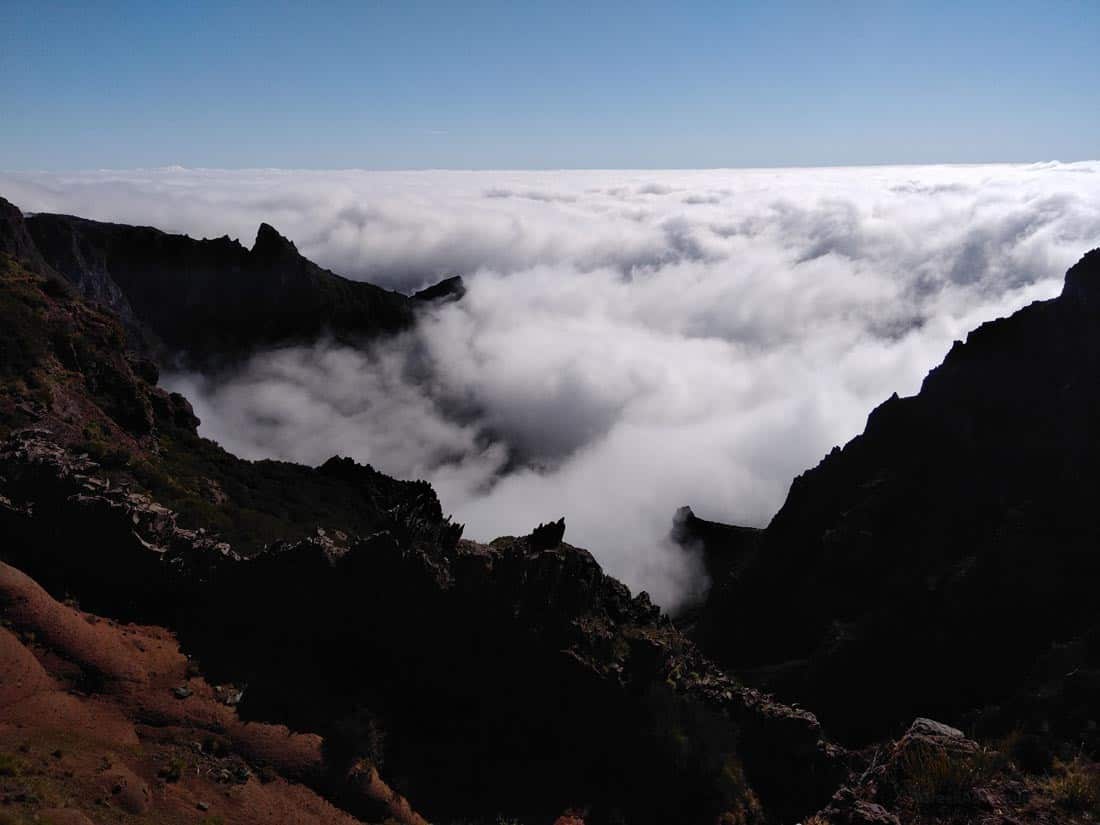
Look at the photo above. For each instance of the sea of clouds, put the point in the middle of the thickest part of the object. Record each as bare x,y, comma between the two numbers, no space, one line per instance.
630,341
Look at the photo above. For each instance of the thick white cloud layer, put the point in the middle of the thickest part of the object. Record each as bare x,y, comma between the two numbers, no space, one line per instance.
630,341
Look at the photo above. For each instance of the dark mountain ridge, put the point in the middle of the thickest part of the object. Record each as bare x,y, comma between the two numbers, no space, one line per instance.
210,300
928,566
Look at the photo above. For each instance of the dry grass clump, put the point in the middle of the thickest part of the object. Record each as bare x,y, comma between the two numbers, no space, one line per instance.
1075,786
938,778
1028,752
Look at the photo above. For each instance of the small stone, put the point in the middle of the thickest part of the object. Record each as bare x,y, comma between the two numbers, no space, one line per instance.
181,692
203,806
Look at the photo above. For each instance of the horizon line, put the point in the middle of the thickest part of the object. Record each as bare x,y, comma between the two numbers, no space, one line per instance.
513,170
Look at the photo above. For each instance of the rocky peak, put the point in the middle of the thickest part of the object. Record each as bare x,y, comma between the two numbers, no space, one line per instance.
271,244
15,240
447,290
1082,285
548,536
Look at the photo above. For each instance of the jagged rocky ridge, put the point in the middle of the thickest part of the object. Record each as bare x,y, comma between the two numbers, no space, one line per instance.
945,561
212,300
509,676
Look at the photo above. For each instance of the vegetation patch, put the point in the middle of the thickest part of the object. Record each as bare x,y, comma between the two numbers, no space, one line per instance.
938,778
1076,787
10,765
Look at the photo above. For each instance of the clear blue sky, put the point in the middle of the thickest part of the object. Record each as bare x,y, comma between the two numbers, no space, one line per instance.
556,84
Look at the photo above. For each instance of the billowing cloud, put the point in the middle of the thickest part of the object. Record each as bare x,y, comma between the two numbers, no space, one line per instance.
630,341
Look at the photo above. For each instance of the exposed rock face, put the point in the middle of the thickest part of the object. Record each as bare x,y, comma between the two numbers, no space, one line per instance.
548,536
724,549
927,565
15,240
449,289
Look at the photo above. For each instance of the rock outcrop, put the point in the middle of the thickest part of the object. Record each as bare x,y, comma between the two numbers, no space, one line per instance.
933,774
16,240
449,289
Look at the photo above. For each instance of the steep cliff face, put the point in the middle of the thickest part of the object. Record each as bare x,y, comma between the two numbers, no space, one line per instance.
928,565
211,300
16,240
513,678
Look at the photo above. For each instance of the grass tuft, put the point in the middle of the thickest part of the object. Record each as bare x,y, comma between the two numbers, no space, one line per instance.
1076,787
938,778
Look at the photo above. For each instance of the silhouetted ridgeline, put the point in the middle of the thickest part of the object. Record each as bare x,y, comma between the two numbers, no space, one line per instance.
932,564
211,300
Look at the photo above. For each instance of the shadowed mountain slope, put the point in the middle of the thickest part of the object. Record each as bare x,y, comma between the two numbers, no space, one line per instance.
926,567
208,299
